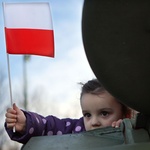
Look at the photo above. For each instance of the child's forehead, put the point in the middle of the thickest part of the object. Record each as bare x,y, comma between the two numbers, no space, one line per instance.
102,98
99,94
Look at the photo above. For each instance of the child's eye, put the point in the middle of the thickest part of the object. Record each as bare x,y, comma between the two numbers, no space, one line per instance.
87,115
104,113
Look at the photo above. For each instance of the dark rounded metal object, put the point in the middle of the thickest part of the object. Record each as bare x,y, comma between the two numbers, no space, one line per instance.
116,38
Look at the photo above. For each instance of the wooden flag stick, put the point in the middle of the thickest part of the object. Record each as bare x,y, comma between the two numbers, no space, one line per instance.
10,89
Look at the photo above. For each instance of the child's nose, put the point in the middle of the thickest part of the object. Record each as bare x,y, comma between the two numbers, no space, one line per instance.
95,121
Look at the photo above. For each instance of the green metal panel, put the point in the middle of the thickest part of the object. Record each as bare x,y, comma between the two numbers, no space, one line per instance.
137,146
98,138
127,137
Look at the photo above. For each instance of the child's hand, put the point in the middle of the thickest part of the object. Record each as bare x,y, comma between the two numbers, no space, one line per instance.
116,124
15,117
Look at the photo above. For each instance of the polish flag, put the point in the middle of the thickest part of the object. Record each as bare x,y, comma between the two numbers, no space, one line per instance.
28,29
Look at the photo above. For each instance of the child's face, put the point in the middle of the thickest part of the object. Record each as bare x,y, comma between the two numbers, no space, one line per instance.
100,110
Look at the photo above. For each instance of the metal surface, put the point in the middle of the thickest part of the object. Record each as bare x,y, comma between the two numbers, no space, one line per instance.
128,137
87,140
116,38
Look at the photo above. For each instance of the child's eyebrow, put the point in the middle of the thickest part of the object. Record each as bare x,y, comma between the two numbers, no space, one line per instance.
101,109
85,111
105,109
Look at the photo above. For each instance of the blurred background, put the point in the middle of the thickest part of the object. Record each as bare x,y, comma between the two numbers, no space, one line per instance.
43,84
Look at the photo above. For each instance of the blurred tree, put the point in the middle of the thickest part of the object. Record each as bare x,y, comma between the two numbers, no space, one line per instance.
26,58
3,107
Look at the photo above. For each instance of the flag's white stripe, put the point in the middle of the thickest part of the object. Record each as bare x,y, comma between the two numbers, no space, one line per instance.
27,15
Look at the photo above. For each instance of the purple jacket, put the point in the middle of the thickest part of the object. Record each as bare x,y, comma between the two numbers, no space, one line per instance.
38,125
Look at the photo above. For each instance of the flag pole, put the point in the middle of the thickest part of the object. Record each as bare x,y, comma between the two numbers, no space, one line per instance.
10,89
8,65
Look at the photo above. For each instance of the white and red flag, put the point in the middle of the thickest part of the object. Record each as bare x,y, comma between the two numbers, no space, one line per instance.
28,29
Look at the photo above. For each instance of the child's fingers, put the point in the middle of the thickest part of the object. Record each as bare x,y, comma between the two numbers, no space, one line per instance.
113,124
10,125
15,107
116,124
11,110
10,120
10,115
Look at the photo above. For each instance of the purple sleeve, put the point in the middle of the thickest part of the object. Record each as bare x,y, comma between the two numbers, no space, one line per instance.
38,125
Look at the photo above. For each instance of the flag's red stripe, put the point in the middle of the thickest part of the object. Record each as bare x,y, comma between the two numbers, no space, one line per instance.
30,41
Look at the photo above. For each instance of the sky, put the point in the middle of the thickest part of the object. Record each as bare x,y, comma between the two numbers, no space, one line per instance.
54,79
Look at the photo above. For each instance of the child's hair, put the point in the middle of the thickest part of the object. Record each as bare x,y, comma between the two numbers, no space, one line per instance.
95,87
